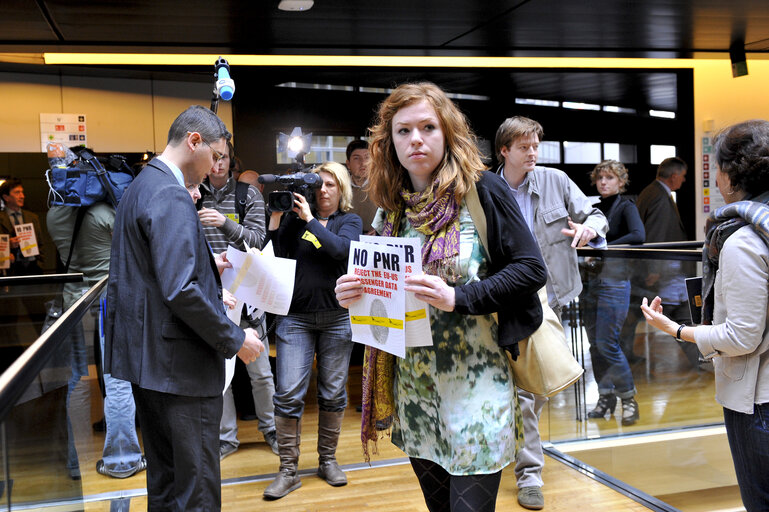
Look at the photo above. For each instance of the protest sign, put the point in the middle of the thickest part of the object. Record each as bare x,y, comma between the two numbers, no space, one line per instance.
418,333
5,251
27,239
378,318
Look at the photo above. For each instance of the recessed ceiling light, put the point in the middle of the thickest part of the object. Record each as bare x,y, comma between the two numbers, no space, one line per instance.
295,5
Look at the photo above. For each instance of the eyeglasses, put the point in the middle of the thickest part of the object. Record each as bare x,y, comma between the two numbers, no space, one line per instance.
217,156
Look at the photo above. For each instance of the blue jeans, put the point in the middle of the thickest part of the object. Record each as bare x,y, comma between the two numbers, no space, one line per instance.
262,390
605,302
299,338
122,452
748,436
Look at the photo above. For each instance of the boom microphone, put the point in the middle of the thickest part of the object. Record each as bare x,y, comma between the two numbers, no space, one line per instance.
225,86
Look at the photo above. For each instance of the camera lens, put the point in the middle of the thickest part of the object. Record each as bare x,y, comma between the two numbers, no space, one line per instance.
281,201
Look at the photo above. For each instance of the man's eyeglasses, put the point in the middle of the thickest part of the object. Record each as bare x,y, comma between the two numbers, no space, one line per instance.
217,156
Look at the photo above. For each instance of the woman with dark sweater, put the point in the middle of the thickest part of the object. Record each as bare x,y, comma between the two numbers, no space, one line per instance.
316,326
606,297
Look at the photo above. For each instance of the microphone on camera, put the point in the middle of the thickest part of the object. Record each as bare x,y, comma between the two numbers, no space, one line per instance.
225,86
266,179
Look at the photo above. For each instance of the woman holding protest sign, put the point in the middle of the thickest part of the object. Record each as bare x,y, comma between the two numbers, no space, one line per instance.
319,241
453,405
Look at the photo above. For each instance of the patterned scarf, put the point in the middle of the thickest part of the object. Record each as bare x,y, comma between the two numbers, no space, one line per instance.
438,220
719,227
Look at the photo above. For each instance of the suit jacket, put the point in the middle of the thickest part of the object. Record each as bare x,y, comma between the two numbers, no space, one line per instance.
6,227
166,328
660,215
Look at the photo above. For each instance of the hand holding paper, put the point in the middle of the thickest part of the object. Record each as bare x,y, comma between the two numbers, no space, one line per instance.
433,290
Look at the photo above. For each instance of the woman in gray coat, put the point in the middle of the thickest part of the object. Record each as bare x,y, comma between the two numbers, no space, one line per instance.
736,293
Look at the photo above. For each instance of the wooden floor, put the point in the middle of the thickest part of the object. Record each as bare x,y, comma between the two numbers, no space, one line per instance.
670,395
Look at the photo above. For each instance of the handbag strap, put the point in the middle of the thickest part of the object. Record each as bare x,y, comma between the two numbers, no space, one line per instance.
479,217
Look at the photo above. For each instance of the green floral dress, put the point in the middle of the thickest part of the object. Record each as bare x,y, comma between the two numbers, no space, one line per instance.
455,402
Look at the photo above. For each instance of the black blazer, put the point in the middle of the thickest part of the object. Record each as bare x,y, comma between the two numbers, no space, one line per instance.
660,215
516,272
166,327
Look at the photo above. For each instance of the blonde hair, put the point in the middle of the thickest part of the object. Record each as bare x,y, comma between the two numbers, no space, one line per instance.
461,165
342,177
614,167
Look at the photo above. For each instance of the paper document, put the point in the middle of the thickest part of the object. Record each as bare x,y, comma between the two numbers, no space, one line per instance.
260,279
378,319
418,333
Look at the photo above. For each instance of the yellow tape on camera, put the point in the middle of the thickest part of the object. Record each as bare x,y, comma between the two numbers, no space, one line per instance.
392,323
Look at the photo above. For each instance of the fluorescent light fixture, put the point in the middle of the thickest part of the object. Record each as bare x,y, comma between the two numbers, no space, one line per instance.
662,113
295,5
183,59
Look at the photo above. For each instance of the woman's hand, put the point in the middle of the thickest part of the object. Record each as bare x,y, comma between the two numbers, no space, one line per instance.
302,207
348,290
274,220
655,318
433,290
210,217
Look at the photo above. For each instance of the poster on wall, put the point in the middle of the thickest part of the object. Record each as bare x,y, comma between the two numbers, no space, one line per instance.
68,129
711,196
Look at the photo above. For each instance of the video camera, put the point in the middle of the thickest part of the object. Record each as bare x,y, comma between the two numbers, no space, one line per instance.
304,183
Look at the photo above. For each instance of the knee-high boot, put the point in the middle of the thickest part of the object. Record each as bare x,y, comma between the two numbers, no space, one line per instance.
288,431
329,427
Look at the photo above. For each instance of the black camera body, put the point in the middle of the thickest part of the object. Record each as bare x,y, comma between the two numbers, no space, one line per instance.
304,183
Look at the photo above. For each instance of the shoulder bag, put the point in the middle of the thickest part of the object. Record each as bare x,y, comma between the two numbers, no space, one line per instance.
545,364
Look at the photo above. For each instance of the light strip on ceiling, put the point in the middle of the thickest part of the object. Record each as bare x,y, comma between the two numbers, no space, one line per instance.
148,59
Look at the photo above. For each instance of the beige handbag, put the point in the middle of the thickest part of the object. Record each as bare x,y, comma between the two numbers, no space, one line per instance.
545,365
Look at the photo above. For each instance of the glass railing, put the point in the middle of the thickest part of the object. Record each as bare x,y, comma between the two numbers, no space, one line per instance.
44,355
676,450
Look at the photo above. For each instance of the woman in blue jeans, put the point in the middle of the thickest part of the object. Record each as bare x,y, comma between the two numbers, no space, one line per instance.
606,296
318,239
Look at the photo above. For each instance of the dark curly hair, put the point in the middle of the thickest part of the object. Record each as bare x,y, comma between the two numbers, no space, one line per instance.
742,152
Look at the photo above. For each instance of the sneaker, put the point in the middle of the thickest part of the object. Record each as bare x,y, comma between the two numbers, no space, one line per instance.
226,449
531,498
271,438
102,470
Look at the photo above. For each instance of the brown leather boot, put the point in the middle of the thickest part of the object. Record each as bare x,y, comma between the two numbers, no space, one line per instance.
329,427
288,431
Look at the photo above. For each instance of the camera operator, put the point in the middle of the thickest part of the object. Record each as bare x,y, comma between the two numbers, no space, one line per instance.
319,241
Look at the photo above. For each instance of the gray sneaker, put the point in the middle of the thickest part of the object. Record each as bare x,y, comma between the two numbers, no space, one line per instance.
271,439
531,498
226,449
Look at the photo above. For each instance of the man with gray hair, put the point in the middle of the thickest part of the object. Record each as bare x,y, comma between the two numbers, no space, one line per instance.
561,218
166,328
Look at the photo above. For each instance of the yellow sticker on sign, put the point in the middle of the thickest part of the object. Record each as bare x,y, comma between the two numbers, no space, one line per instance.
311,238
392,323
415,315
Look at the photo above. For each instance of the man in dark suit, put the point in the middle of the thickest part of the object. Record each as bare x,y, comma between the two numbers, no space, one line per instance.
662,223
659,212
12,193
167,332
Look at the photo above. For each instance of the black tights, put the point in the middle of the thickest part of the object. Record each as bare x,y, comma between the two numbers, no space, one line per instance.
447,493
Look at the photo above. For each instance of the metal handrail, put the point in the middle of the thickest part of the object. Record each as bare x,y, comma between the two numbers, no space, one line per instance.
17,378
73,277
